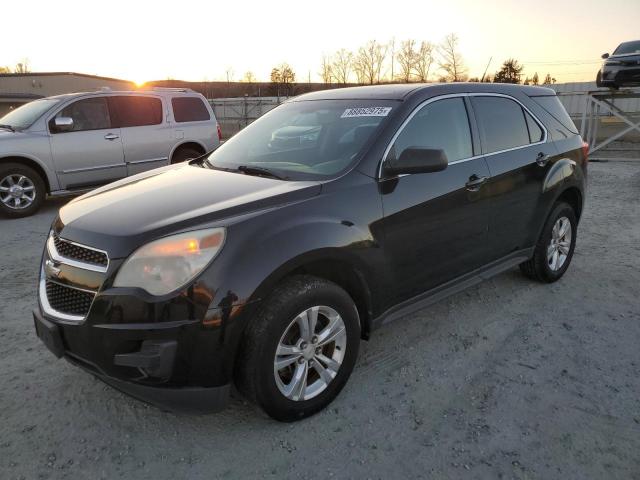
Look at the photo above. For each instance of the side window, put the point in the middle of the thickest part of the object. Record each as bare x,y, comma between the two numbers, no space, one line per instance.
136,111
535,132
442,124
189,109
502,123
87,114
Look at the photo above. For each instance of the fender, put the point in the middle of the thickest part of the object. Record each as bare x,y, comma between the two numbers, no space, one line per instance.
184,142
51,180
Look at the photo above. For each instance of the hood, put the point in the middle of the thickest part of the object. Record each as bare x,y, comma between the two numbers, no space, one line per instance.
123,215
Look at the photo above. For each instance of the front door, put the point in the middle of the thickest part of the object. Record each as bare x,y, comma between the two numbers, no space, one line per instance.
91,152
436,224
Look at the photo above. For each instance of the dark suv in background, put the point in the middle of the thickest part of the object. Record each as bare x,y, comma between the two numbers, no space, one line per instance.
622,67
265,262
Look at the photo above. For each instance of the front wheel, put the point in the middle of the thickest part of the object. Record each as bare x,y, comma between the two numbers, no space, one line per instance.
554,250
300,350
22,190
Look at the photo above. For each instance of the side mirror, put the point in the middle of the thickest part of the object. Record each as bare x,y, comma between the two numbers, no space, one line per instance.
417,160
605,56
63,124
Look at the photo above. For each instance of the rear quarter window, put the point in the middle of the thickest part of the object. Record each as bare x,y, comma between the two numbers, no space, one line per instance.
502,123
554,108
189,109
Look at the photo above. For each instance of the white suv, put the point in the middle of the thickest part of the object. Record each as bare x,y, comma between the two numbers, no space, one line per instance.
72,143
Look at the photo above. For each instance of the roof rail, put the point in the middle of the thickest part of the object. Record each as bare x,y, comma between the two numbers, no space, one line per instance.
167,89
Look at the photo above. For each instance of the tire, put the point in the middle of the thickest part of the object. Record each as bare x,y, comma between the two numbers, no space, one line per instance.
541,266
23,202
184,154
599,80
276,324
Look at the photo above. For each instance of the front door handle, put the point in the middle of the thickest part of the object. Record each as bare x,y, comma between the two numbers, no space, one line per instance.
475,182
542,159
111,136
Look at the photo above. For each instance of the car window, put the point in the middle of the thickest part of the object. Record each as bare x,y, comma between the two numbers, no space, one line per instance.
502,123
136,111
88,114
25,115
536,134
305,140
189,109
627,48
551,103
443,124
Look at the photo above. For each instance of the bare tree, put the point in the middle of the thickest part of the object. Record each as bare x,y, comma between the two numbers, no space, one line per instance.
359,68
451,61
369,61
5,69
424,60
249,77
22,66
406,57
341,66
283,78
325,70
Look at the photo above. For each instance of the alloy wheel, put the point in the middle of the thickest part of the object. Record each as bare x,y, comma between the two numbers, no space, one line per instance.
310,353
17,191
560,244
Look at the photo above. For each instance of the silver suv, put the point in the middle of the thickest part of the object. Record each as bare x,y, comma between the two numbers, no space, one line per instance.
72,143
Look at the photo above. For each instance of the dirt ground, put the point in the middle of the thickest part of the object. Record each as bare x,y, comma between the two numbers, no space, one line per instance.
510,379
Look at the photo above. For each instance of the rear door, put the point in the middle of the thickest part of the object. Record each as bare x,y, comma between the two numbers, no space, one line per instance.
91,153
518,156
435,224
146,136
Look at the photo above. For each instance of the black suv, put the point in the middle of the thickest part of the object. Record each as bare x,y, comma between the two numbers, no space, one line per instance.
622,67
265,262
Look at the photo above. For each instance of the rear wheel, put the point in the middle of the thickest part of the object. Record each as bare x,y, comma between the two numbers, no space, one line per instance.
299,351
554,250
22,190
599,80
184,154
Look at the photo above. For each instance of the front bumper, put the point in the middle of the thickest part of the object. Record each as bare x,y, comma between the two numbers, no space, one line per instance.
161,392
620,75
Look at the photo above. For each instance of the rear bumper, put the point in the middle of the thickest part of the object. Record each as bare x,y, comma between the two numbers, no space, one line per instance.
140,365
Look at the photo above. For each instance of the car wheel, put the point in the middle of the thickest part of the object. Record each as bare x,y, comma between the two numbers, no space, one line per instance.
554,249
300,349
22,190
599,80
184,154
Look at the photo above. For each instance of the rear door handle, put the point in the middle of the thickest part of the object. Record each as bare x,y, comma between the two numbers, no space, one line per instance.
111,136
475,182
542,159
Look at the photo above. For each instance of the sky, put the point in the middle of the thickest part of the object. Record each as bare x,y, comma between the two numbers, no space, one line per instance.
203,40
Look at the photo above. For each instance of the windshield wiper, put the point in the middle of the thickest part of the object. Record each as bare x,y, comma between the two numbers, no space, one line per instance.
259,171
8,127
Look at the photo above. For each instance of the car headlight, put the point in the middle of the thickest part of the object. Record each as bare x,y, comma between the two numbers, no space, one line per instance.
612,63
165,265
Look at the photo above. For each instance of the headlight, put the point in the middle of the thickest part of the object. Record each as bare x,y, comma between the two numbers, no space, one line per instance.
612,63
164,265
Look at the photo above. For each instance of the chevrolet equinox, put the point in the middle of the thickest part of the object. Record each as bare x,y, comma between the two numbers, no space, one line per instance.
266,262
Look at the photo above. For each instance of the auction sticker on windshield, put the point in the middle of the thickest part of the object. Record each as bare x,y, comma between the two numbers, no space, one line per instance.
366,112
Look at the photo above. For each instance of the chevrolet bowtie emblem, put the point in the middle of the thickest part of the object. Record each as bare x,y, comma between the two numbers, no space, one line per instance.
50,269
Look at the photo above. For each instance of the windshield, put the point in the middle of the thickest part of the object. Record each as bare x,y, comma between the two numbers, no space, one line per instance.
304,140
628,48
24,116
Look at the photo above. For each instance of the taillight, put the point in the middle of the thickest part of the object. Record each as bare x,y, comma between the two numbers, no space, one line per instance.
219,132
585,151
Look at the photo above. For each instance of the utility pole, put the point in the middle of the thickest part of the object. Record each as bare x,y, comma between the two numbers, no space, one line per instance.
393,56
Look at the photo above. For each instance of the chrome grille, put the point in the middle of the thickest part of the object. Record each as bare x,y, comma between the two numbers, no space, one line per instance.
67,300
79,253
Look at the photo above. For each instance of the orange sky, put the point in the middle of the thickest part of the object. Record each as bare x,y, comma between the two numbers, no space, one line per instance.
198,40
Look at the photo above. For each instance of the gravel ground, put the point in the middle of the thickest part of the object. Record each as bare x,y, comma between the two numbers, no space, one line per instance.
511,379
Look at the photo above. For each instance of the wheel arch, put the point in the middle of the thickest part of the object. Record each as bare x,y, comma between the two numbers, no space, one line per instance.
188,144
573,196
31,163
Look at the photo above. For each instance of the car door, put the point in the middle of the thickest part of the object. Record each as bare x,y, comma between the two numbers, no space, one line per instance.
91,152
518,156
435,224
146,136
